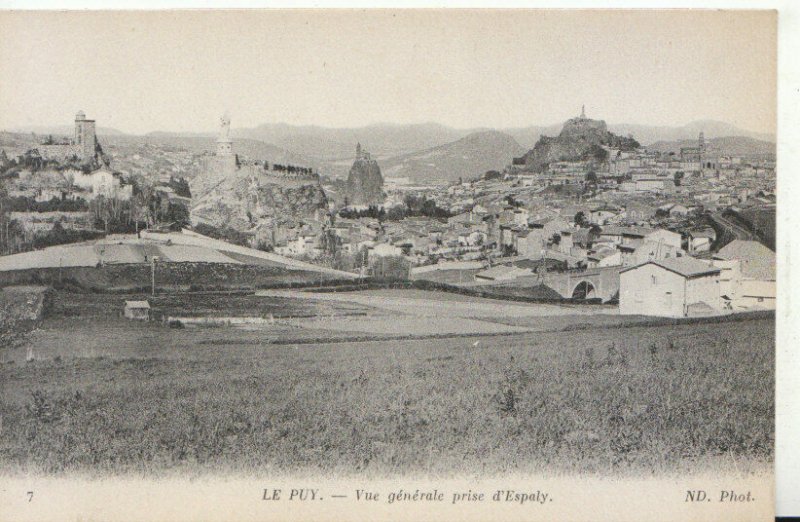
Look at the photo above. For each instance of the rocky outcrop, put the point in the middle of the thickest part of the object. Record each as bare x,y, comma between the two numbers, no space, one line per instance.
581,139
365,182
250,200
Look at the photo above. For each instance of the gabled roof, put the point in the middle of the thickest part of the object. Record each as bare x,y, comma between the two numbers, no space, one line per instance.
638,231
757,261
602,253
684,266
611,231
706,232
137,304
627,231
542,222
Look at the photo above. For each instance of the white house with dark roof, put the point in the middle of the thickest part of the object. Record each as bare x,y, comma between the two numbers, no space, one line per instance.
673,287
604,256
700,241
101,182
757,261
754,279
647,251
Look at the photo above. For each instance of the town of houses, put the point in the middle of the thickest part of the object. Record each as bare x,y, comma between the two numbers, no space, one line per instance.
653,220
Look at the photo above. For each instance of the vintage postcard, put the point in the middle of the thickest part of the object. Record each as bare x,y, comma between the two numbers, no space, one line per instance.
376,264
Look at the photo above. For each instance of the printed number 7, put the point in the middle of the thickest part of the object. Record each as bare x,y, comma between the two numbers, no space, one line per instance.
30,495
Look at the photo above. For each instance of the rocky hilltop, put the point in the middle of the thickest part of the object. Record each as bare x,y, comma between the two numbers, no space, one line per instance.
581,139
365,182
255,200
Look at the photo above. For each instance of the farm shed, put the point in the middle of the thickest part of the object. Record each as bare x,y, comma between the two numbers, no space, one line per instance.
137,310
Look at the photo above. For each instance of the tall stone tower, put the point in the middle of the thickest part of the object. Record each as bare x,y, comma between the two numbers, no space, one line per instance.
85,137
701,147
224,143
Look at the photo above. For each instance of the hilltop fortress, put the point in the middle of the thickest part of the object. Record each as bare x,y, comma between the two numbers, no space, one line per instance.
253,196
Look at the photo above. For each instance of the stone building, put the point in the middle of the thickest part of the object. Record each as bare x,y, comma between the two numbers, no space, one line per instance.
692,157
675,287
85,136
82,145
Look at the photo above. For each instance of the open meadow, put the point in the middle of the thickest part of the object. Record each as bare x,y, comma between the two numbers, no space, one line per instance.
314,389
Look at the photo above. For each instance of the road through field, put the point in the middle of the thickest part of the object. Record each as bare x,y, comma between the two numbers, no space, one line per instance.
422,303
423,313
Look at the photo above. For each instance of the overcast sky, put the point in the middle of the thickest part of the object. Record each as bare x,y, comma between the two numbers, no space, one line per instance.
180,70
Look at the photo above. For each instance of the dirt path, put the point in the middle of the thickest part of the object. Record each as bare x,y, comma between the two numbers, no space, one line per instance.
430,304
401,312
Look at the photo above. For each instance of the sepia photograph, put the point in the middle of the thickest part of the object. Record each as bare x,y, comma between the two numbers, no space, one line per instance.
413,264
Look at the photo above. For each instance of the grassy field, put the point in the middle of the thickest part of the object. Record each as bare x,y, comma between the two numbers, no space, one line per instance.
110,395
21,310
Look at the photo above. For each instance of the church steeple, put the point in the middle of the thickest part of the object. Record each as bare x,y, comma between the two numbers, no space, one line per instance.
583,112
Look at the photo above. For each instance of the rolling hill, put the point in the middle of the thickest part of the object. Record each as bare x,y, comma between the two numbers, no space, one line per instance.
382,140
727,145
423,151
60,130
467,157
388,140
253,149
648,134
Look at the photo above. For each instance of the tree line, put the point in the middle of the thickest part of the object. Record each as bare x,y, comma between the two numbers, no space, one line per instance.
291,169
413,206
147,208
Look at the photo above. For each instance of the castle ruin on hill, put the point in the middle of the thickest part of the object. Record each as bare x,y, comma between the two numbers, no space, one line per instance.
82,146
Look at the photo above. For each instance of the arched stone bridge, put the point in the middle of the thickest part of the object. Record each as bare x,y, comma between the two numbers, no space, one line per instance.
602,283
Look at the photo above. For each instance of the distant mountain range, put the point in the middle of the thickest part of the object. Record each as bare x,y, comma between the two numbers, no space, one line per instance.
381,140
385,139
420,151
62,130
647,134
728,146
388,140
